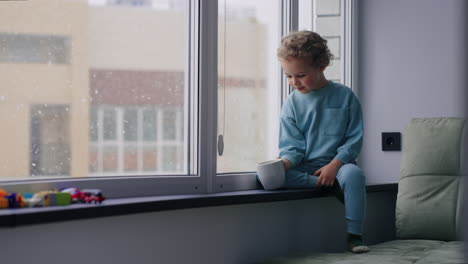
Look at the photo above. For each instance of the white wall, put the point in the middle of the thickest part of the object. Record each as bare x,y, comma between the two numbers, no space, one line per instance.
412,63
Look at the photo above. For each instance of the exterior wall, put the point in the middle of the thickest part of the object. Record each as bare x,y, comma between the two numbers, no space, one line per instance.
26,84
141,39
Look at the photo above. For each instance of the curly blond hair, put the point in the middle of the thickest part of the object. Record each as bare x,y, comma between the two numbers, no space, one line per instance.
305,45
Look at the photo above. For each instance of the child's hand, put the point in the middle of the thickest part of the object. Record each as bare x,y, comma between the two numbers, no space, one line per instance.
286,162
327,173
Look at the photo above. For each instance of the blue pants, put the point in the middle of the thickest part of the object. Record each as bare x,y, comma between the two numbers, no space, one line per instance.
351,180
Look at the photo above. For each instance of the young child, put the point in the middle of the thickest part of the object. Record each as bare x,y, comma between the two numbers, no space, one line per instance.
321,129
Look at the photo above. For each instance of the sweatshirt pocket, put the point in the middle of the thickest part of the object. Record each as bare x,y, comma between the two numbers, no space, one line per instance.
335,121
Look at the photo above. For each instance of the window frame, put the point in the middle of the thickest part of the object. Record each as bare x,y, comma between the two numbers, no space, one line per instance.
226,182
347,42
138,185
200,110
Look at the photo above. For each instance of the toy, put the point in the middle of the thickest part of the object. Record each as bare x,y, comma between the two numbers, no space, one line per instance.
28,195
85,195
50,198
12,200
3,202
15,200
92,196
39,199
75,194
63,198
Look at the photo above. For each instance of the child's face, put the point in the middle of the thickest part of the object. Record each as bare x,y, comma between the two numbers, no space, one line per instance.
302,76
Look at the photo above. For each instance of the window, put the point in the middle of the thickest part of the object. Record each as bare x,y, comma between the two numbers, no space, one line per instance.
50,140
111,67
143,97
248,35
34,48
331,19
140,147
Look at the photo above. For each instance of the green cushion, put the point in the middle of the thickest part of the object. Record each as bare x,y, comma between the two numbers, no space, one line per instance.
392,252
426,207
428,191
461,214
431,146
447,253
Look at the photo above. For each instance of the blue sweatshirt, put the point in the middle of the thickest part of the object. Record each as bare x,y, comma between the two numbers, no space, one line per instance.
319,126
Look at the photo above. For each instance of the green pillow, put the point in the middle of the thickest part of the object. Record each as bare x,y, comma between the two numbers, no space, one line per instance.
428,192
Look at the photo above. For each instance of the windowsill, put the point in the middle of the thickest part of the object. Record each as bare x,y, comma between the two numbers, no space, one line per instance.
124,206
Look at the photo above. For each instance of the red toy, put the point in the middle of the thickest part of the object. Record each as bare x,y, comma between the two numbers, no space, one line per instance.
85,195
76,195
92,196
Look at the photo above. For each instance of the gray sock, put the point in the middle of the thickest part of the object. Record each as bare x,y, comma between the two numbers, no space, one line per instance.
356,245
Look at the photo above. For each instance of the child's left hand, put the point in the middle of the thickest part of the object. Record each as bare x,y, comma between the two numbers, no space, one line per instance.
327,173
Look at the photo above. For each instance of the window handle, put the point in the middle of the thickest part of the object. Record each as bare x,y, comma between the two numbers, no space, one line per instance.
220,145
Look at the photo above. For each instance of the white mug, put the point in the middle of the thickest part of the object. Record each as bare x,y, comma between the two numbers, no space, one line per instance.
271,174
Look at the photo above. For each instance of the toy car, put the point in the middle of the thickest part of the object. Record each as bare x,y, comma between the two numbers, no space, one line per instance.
76,195
92,196
39,199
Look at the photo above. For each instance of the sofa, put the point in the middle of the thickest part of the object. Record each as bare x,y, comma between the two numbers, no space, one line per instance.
429,201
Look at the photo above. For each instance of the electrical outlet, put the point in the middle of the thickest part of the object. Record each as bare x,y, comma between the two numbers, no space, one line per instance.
391,141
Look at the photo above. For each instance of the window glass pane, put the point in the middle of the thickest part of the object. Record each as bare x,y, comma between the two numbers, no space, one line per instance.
333,72
93,159
169,156
328,7
130,124
328,22
93,124
130,159
110,159
328,26
32,48
150,159
305,14
149,125
180,155
248,83
110,124
169,124
50,140
83,83
334,46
